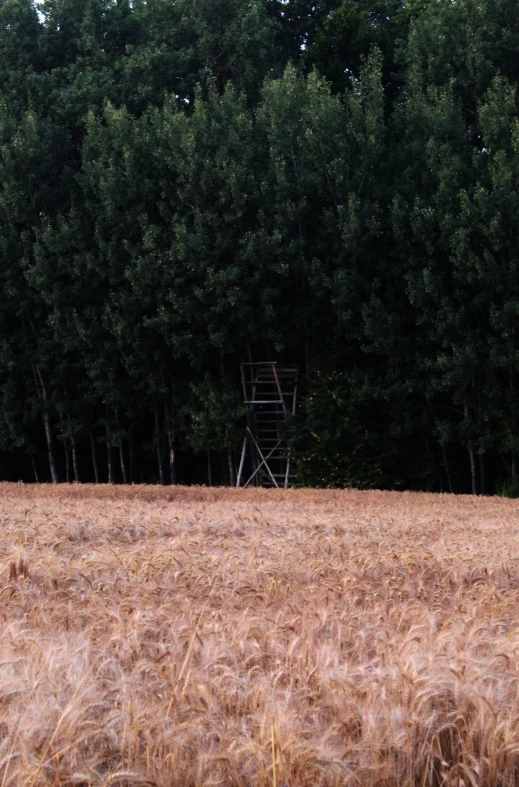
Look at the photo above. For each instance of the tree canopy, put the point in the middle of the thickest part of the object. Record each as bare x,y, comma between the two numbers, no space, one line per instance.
188,184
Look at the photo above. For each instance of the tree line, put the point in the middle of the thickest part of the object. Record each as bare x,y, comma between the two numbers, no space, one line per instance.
189,184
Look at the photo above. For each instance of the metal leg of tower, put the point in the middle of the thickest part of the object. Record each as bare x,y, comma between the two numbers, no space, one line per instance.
287,474
242,460
263,461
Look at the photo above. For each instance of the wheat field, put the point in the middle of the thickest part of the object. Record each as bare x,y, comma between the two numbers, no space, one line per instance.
190,636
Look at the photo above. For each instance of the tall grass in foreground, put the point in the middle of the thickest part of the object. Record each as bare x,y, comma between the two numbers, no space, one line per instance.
229,637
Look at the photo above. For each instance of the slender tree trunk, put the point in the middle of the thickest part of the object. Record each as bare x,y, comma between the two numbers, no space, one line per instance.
133,463
482,475
50,447
162,479
511,381
42,389
209,470
68,473
232,471
481,455
110,463
158,441
171,447
109,459
444,452
75,461
172,464
94,458
473,469
34,468
447,472
470,449
123,462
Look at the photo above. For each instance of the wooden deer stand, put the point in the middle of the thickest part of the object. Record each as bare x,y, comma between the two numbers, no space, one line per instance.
270,391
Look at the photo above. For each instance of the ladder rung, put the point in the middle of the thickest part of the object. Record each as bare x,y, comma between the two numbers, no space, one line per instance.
275,394
263,401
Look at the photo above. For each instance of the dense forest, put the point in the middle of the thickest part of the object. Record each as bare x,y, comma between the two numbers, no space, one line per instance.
188,184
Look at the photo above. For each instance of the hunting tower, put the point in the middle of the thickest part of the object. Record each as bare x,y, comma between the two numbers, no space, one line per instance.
270,391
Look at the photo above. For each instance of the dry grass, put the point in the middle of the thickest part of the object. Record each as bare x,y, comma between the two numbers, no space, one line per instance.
227,637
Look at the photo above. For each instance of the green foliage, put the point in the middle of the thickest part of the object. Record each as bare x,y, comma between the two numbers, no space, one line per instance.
214,415
337,444
187,185
510,489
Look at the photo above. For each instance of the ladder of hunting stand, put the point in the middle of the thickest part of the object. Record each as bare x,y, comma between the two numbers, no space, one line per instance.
270,391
